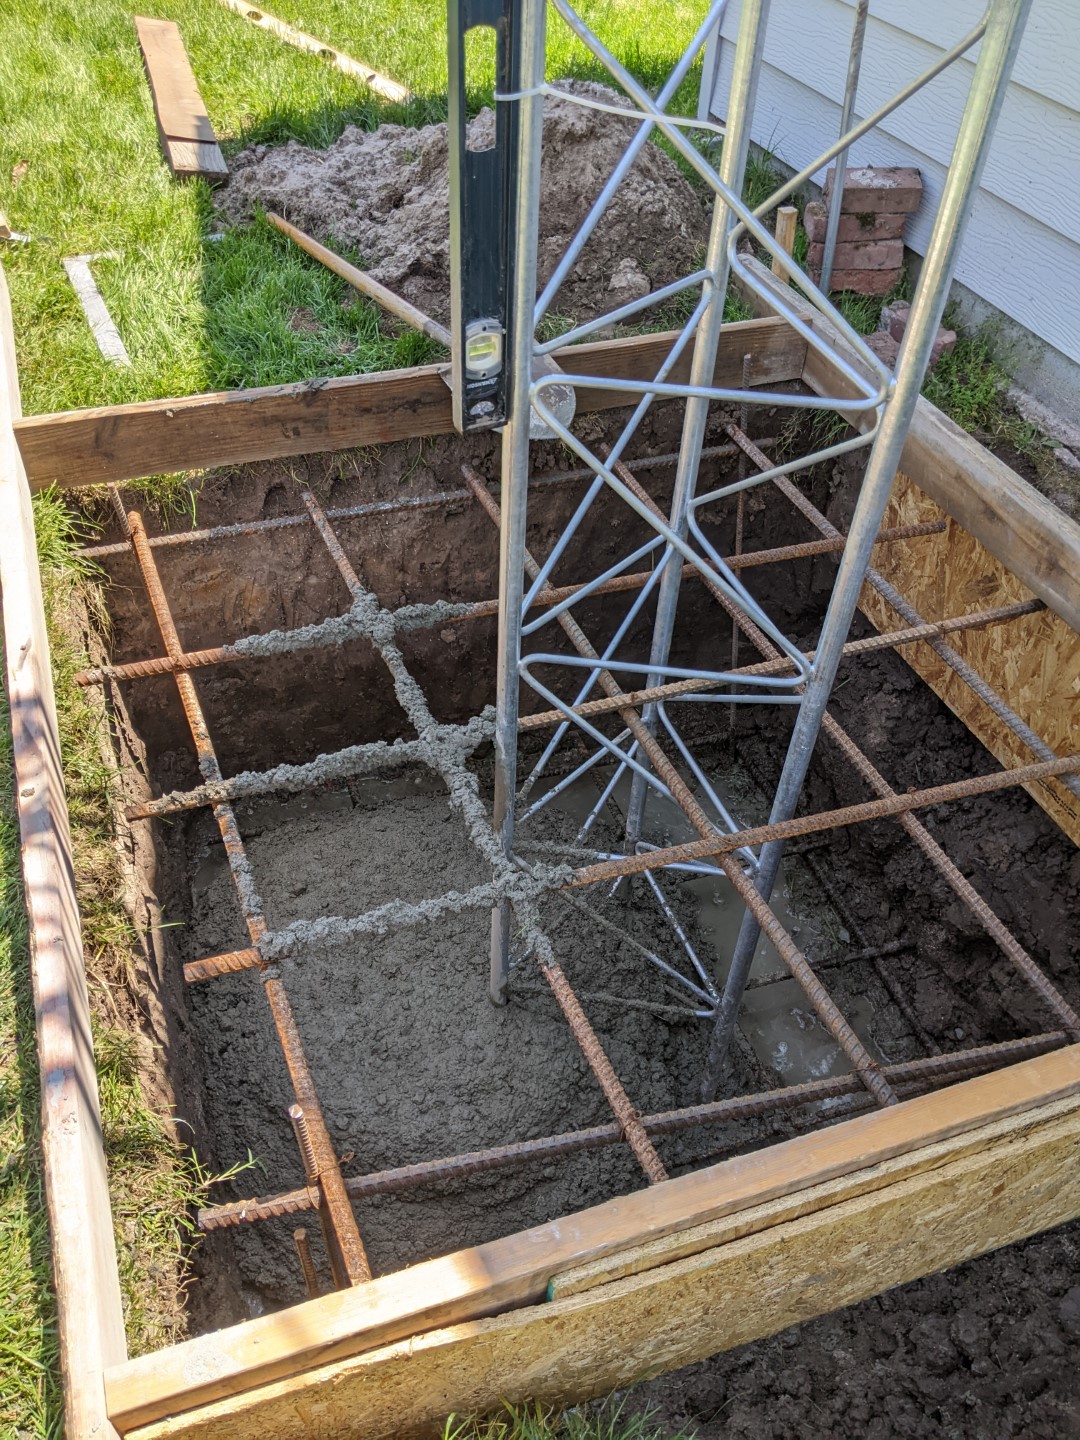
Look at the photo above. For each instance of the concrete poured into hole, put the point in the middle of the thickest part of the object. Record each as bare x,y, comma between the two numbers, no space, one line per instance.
410,1060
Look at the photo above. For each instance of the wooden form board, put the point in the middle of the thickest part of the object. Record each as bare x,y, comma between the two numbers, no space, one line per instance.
516,1270
83,1255
1033,661
882,1225
234,427
187,137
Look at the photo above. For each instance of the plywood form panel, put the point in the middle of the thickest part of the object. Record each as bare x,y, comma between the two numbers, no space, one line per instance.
516,1270
1020,1178
1033,662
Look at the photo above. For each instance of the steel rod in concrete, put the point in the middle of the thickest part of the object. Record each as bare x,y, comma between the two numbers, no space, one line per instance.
343,1237
937,1069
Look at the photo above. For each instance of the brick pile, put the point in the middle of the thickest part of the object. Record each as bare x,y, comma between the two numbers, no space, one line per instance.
894,321
876,203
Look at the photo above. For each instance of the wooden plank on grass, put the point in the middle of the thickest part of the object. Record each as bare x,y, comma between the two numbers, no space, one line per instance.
187,137
381,84
234,427
83,1255
515,1271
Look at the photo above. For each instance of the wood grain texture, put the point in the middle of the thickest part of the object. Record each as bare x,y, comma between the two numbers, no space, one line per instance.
233,427
1020,259
517,1269
187,137
91,1326
1034,661
1018,1179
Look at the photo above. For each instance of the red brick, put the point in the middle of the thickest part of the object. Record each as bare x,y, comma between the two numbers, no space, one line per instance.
878,189
852,227
884,347
862,255
894,319
863,282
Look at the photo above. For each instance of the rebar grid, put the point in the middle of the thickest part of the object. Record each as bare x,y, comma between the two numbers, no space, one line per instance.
880,1084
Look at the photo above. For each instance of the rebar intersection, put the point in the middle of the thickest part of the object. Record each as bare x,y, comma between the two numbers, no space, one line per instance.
332,1195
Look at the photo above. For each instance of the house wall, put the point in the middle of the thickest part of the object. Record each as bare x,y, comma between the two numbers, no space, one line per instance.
1021,254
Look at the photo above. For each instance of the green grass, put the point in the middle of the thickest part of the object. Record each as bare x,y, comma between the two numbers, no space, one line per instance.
601,1420
154,1184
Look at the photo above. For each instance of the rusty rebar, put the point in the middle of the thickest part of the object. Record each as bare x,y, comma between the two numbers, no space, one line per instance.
890,806
863,766
886,640
818,996
344,1236
936,1069
628,1118
485,609
307,1264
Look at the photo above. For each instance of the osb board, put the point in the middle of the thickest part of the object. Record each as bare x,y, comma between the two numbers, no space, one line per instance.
1033,662
1020,1180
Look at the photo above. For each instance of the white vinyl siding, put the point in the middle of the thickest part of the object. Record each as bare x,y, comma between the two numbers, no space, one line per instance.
1020,252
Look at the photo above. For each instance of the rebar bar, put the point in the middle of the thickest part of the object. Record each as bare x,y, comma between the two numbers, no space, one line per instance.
343,1237
789,952
886,807
414,617
943,1069
307,1264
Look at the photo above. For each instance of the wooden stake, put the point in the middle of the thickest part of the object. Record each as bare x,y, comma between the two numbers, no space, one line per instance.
381,84
786,219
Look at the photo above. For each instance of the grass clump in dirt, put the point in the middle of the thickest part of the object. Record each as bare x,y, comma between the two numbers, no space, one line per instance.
971,387
600,1420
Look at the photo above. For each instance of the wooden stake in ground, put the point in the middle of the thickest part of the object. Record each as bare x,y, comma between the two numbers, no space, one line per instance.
187,137
381,84
786,218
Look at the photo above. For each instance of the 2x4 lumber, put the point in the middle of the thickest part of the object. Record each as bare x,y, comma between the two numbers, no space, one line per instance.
516,1270
187,137
883,1225
234,427
87,1286
1020,527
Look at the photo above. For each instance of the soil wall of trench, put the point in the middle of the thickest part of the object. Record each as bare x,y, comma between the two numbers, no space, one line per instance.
409,1058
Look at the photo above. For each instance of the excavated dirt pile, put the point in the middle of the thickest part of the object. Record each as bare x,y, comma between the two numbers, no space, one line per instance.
385,194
